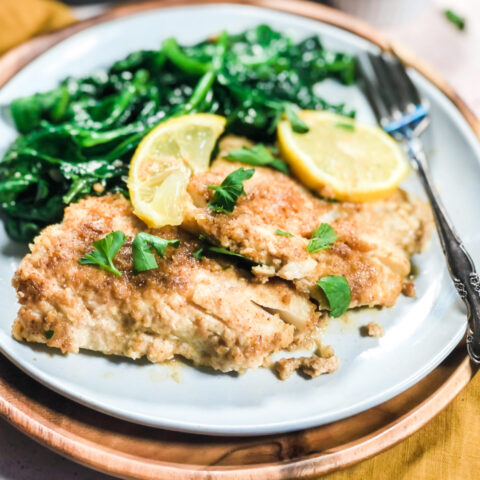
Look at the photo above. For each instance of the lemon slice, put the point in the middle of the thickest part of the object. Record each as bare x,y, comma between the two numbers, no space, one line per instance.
165,160
341,158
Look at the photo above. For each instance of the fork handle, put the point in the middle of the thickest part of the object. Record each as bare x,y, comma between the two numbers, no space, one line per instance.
460,264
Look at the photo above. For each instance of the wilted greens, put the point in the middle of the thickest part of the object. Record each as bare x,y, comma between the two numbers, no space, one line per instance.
78,139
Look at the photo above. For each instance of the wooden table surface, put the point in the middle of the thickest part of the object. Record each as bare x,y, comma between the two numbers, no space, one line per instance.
452,53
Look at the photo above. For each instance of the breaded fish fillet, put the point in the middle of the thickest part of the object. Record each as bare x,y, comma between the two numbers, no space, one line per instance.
205,310
375,239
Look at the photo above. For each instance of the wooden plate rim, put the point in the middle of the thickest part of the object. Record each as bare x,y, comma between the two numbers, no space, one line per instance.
127,466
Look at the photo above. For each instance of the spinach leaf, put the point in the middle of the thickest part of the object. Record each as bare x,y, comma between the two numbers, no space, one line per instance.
83,133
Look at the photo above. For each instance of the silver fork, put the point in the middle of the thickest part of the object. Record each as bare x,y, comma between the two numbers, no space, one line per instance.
403,114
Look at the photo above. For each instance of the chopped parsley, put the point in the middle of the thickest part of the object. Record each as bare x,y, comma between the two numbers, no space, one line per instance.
258,156
283,233
226,251
48,334
104,252
298,125
457,20
323,237
205,250
208,249
337,291
143,258
227,193
346,126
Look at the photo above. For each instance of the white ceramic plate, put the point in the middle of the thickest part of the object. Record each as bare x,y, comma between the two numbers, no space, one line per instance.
419,333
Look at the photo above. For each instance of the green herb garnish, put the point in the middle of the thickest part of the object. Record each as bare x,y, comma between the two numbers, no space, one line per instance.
227,193
184,62
298,125
258,156
198,254
457,20
323,237
208,249
346,126
283,233
143,258
48,334
226,251
105,251
337,291
85,131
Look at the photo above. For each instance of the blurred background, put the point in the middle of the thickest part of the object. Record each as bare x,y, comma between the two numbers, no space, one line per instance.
444,33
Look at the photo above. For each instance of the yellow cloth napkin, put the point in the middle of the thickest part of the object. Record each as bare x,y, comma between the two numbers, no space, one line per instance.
22,19
448,448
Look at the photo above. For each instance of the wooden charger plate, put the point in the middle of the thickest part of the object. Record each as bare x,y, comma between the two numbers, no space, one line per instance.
136,452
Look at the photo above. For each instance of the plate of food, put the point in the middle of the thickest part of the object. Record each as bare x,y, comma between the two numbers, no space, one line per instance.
206,231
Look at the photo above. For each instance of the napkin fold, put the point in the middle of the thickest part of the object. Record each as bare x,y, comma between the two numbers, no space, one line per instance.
23,19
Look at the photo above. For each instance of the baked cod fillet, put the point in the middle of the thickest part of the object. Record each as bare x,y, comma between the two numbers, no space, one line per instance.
205,310
373,249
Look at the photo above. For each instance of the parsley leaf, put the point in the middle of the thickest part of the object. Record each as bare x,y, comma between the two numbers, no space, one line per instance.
207,249
298,125
201,251
105,251
346,126
227,193
258,155
457,20
204,250
323,237
48,334
198,254
337,291
283,233
226,251
143,258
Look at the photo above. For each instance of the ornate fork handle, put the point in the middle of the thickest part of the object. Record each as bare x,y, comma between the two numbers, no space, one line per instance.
460,264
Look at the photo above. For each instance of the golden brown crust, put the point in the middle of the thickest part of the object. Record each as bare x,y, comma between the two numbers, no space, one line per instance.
194,308
409,289
313,366
375,240
373,329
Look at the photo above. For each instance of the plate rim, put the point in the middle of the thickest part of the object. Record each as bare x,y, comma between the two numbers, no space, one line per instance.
21,56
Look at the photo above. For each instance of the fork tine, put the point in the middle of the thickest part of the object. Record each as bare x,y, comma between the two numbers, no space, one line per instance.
409,87
372,91
399,86
387,90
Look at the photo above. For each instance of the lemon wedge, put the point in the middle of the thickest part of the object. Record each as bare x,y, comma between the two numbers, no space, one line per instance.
164,162
342,159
